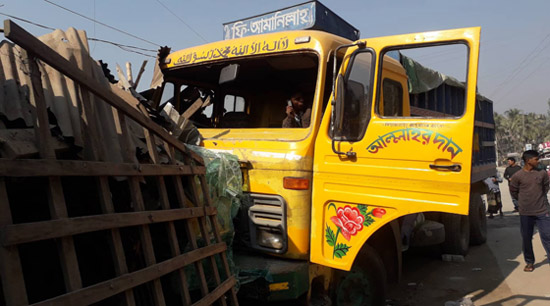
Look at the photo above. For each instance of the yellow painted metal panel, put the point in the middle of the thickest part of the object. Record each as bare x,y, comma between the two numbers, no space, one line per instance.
253,46
392,170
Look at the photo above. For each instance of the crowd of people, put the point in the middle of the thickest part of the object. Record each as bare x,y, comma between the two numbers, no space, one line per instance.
528,189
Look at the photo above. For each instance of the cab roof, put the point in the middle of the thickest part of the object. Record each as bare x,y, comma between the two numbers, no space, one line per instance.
255,45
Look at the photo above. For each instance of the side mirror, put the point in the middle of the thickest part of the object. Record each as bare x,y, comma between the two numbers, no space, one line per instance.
338,107
229,73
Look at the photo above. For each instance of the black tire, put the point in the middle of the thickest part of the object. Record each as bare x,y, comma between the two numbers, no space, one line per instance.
365,284
478,220
457,234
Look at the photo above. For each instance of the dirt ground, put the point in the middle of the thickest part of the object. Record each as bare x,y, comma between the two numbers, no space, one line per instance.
491,274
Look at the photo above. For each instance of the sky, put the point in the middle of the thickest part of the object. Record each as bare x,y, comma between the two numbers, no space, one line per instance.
514,68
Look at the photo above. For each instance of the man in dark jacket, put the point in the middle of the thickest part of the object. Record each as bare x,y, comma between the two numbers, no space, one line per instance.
508,173
530,187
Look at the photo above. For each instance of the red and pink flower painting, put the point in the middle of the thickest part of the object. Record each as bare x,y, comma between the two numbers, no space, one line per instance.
349,221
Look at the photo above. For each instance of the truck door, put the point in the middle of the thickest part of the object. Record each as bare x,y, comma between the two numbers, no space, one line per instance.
397,138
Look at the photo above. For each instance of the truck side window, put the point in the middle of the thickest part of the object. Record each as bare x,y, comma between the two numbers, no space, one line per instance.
392,95
234,114
234,103
424,82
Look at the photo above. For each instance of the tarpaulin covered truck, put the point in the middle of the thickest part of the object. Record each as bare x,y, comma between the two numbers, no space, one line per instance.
393,156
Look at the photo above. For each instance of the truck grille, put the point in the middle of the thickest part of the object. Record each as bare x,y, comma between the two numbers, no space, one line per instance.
267,210
267,214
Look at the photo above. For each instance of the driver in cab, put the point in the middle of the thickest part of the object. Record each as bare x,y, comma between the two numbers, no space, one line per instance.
297,114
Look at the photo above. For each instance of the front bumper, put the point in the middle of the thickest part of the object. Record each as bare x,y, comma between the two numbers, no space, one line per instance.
265,278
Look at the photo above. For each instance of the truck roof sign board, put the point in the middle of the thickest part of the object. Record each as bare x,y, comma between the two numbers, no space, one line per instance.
310,15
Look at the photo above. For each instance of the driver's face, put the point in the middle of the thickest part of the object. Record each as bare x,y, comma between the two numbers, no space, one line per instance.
298,101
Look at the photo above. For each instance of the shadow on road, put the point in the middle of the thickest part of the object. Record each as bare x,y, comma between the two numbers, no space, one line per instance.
520,300
429,281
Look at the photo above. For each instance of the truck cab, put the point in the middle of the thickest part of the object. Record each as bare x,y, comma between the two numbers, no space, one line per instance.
389,147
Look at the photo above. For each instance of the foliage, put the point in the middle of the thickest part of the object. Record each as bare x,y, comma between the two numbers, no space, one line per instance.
514,129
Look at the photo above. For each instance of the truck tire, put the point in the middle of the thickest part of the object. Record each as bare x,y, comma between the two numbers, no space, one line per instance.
478,220
457,234
366,282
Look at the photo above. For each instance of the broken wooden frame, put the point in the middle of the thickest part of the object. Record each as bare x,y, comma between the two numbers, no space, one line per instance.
62,228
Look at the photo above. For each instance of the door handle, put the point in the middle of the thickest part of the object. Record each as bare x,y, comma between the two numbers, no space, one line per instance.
453,167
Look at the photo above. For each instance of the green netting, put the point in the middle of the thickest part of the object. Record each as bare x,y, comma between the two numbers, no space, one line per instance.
224,179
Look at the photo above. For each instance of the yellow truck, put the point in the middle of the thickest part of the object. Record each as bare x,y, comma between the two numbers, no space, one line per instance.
388,160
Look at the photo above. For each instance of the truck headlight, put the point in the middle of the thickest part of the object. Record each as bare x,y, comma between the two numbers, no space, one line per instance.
269,238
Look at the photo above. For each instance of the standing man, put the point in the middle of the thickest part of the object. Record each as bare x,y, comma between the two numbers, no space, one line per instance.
530,187
508,172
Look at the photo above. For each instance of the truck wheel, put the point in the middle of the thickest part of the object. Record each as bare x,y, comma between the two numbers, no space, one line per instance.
365,284
457,234
478,220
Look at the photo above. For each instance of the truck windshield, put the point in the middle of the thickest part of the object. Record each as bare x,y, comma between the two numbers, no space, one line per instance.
257,98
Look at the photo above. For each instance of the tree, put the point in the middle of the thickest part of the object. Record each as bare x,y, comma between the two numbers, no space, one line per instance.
514,129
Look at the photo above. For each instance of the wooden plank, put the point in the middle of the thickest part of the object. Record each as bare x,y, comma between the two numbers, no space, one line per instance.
40,113
213,222
65,245
191,237
103,290
117,249
215,230
205,233
217,293
139,205
115,241
106,203
123,103
140,73
194,107
203,228
42,167
129,75
36,231
11,272
58,208
170,229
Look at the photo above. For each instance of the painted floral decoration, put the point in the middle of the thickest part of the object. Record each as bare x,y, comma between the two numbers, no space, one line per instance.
349,221
378,212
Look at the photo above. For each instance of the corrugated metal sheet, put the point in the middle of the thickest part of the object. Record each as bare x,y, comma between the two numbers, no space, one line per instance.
63,96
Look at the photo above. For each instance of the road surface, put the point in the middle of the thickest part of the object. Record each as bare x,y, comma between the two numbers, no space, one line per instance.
492,274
